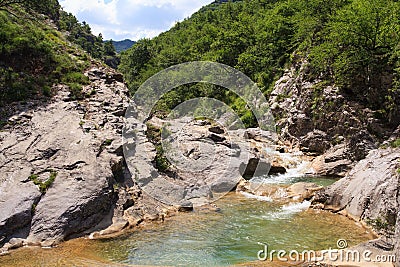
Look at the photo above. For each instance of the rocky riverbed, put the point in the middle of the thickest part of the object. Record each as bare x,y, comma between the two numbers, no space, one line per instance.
205,237
64,173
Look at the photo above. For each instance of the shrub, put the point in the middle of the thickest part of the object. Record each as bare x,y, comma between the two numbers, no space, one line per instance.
75,77
43,186
46,90
395,143
76,90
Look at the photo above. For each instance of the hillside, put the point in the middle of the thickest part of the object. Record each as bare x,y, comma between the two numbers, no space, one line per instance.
352,45
42,45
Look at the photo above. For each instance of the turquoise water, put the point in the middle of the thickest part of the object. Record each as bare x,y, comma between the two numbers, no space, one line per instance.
231,236
206,238
322,181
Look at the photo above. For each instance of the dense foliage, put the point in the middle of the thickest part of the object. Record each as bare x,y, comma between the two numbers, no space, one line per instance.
32,57
351,43
34,54
359,50
48,7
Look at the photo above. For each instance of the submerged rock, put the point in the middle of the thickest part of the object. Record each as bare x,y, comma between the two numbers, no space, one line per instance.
303,191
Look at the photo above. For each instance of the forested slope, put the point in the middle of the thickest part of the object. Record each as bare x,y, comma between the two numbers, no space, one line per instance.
351,44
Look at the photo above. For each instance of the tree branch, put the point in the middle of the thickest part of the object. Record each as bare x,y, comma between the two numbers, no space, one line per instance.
8,11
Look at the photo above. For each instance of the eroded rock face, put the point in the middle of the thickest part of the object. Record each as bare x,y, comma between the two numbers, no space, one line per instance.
206,159
72,150
17,201
315,141
317,118
369,192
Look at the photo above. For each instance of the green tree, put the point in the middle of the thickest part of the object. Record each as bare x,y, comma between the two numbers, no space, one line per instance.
81,34
109,49
47,7
359,41
134,62
351,43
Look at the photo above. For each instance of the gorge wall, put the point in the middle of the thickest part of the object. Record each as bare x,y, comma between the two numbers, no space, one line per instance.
321,120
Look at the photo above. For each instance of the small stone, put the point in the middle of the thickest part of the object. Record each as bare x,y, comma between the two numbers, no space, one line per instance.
185,206
4,251
15,243
114,228
94,235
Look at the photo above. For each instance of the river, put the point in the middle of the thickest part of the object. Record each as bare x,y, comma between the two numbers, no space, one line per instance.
228,236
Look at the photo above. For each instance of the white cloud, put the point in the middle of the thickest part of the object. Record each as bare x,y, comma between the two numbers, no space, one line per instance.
134,19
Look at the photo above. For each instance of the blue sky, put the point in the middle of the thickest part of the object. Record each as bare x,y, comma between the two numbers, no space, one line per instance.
132,19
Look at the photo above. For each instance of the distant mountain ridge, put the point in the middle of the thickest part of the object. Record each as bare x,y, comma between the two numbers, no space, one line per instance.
122,45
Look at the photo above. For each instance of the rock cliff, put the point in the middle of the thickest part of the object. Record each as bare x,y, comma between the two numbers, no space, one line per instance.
321,120
64,172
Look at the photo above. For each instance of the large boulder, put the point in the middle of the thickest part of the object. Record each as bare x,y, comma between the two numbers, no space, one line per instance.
76,202
335,162
205,159
369,192
257,167
17,203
